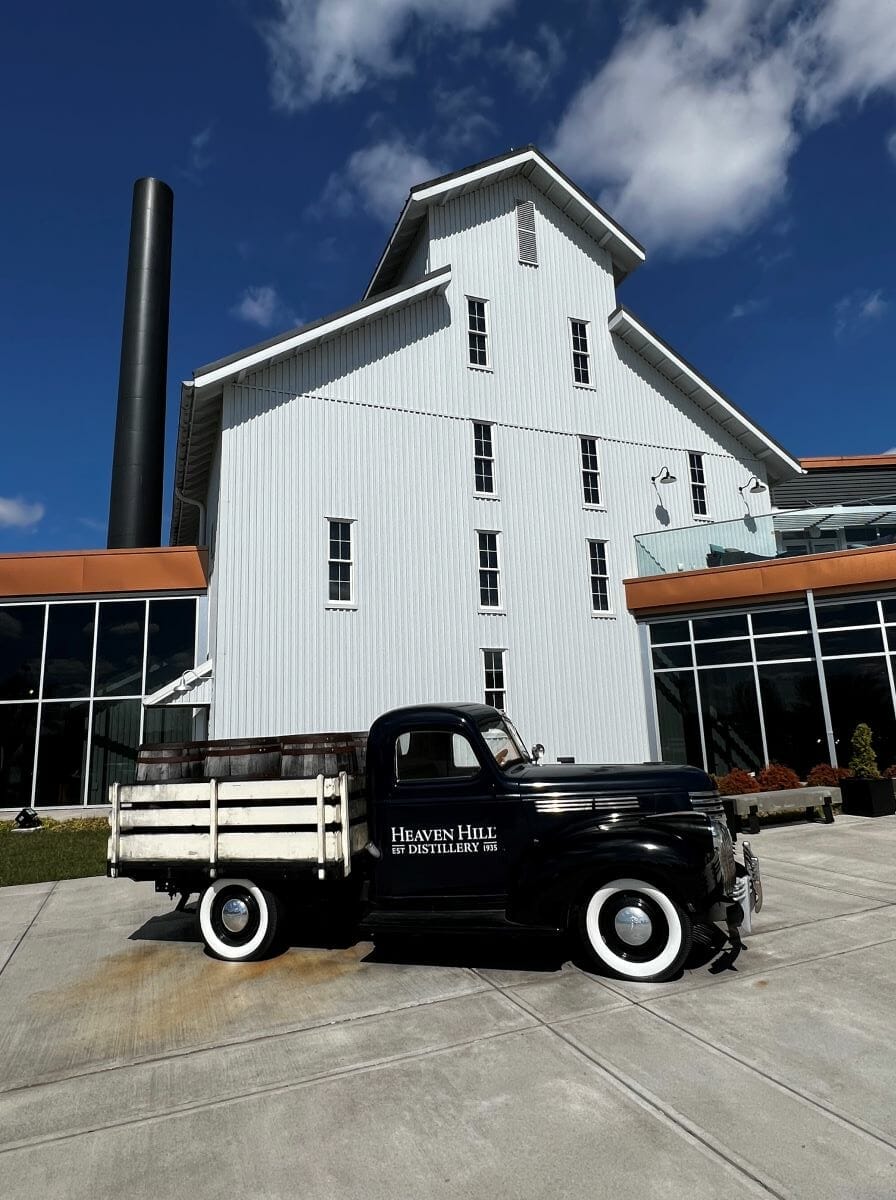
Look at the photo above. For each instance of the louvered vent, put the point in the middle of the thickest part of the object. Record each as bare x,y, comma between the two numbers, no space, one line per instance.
525,232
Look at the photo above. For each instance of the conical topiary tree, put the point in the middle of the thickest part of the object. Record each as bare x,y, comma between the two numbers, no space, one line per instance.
863,763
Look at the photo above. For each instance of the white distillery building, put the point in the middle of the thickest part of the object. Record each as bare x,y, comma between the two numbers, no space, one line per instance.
434,494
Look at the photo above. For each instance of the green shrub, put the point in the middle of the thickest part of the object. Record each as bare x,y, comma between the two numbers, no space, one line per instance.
863,763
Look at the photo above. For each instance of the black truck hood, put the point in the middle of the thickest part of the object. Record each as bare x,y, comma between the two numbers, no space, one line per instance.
613,779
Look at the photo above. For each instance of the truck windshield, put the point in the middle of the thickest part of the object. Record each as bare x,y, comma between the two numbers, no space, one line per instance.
503,741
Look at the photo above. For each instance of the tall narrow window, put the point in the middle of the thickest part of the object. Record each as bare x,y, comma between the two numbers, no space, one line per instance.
581,359
600,589
489,571
698,484
525,232
493,665
483,458
340,563
477,334
590,471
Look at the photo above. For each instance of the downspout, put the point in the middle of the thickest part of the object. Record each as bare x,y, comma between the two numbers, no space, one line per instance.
198,504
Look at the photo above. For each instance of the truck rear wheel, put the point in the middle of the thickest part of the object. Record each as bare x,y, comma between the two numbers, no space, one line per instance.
635,930
238,919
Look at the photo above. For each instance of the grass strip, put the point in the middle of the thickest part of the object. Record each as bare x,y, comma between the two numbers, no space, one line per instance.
59,850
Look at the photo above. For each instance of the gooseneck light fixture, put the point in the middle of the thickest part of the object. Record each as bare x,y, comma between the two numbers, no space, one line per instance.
664,475
753,485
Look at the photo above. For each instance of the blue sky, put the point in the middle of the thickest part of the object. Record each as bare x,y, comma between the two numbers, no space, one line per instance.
750,145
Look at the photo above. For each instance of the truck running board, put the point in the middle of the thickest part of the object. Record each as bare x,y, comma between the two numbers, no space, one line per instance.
446,921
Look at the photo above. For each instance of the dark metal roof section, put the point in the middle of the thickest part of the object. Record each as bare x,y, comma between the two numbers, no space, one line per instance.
837,485
536,167
135,504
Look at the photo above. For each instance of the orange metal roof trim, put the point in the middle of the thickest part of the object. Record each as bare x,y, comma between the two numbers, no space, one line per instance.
752,583
845,461
99,572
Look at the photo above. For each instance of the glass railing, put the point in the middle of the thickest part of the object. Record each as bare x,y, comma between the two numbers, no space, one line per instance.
785,534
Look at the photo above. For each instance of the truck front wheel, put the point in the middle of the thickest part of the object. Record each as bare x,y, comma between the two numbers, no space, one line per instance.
238,919
635,930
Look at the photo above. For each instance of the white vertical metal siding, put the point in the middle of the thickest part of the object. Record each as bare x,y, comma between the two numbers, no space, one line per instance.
375,426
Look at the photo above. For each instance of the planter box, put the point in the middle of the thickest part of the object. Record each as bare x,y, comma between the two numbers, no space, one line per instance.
868,797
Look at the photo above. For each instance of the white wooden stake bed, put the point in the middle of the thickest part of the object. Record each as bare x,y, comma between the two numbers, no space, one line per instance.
222,828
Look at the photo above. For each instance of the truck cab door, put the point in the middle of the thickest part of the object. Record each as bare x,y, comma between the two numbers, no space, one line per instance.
446,828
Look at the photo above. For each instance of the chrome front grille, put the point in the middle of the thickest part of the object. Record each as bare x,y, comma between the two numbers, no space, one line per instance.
708,802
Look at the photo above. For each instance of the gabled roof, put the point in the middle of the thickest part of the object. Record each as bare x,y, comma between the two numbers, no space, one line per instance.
778,463
529,162
200,404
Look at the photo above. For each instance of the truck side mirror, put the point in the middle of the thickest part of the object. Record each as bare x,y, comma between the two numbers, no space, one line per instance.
537,752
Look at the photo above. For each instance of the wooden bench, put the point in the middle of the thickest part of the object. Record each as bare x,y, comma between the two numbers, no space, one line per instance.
743,811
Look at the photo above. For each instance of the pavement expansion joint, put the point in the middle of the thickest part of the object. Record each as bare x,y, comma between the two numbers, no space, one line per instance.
28,927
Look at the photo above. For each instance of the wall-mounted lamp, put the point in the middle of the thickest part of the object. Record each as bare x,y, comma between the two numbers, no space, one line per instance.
753,485
664,476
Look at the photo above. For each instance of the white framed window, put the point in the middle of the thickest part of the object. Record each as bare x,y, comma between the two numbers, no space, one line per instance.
483,459
493,670
489,569
527,247
590,471
340,562
477,332
581,357
698,484
600,580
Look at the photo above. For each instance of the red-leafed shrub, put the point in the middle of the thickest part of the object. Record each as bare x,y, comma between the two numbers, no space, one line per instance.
775,778
737,783
824,775
890,772
844,773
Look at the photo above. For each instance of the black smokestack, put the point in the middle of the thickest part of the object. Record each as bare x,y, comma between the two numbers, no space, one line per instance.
135,505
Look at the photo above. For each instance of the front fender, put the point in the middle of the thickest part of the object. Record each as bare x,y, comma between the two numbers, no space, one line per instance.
675,851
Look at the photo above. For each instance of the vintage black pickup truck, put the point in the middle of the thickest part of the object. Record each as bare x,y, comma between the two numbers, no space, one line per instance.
449,824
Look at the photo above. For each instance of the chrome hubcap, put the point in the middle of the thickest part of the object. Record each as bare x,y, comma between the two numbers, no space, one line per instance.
633,926
235,915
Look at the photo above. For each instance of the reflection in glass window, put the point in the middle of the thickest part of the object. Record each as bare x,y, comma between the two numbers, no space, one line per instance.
171,646
780,620
168,723
21,645
434,754
795,645
679,724
714,654
730,720
119,648
114,741
864,612
859,690
69,650
794,721
889,607
62,755
18,723
729,625
852,641
672,656
669,631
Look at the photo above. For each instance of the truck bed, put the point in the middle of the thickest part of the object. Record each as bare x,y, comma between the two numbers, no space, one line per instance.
216,827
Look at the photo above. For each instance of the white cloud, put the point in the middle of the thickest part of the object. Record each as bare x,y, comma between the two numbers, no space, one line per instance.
891,145
263,306
465,117
689,126
746,308
377,178
16,513
323,49
200,157
858,309
533,66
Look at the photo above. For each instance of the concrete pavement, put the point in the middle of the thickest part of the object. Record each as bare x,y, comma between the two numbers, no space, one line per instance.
133,1065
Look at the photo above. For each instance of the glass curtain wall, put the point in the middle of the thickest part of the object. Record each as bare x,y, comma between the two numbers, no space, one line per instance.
73,675
743,689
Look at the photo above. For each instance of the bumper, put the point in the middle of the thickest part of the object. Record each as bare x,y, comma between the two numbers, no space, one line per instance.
746,899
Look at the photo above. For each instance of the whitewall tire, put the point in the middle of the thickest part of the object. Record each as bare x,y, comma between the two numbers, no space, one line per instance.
634,930
238,919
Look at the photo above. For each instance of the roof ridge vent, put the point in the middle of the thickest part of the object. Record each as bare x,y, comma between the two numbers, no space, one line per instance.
525,232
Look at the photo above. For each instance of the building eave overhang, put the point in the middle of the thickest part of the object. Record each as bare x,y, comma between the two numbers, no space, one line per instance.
625,252
200,408
778,463
743,584
851,462
128,572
